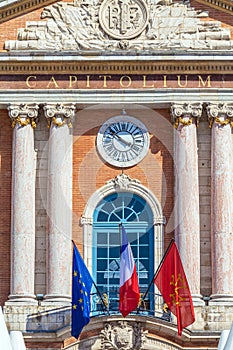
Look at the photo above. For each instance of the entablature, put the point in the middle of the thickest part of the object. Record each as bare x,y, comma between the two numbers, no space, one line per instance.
162,63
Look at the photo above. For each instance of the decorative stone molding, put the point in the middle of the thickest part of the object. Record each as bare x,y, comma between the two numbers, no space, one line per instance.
122,335
130,66
86,221
60,114
183,113
81,26
222,5
160,220
220,113
23,114
122,182
18,8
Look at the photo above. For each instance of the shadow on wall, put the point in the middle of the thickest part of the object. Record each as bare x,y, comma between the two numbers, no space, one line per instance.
49,320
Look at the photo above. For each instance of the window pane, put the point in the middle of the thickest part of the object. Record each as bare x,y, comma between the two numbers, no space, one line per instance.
114,239
134,251
100,278
101,264
144,264
144,238
101,238
143,251
102,253
113,217
131,217
102,216
114,252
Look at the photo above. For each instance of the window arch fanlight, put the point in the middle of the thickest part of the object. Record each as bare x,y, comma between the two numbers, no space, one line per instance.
127,201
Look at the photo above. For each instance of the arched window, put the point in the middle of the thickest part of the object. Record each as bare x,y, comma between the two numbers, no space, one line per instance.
135,214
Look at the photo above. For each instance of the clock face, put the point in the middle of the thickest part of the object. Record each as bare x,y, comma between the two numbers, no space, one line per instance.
123,141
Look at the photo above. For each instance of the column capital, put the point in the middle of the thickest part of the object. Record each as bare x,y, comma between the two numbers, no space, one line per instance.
220,113
183,113
60,114
23,114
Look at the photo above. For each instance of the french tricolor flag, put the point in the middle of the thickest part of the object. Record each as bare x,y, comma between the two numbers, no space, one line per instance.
129,288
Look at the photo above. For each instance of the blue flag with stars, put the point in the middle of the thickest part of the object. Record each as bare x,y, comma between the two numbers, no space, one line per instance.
81,289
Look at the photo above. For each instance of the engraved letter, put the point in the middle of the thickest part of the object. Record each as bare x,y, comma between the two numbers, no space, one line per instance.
105,79
164,81
202,83
88,81
144,82
125,77
52,81
179,81
28,83
73,80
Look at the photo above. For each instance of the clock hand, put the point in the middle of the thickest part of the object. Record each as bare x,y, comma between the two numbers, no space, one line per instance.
114,134
122,140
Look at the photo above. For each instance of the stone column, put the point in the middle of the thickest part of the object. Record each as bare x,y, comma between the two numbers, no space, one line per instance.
221,119
59,202
23,119
187,223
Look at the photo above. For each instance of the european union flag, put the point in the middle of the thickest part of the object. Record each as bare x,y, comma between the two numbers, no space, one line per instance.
81,289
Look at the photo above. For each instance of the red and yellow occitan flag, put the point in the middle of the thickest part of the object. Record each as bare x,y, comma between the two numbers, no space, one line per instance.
173,285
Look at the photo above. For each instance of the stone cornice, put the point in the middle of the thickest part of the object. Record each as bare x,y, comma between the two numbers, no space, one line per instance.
19,8
46,66
222,5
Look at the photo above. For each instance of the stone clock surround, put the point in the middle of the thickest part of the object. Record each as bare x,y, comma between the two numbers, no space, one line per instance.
112,135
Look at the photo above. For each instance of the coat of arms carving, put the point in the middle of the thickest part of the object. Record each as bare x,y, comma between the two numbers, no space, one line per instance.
122,336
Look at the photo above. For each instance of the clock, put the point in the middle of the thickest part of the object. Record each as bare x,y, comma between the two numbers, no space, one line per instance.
123,141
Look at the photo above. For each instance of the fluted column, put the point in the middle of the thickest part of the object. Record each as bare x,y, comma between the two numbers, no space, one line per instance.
59,202
187,222
23,119
221,118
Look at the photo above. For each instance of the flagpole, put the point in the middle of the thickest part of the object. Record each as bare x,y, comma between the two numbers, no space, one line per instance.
98,292
120,228
156,272
120,247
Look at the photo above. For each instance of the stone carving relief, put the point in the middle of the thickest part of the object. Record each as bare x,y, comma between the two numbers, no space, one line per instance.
123,19
122,182
122,336
113,25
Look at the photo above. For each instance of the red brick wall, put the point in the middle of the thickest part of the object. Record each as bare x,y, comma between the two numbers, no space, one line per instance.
5,188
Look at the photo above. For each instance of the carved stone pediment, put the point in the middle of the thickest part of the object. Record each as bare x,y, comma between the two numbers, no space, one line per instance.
116,25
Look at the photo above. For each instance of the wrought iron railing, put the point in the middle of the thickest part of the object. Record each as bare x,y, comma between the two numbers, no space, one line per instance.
153,305
103,304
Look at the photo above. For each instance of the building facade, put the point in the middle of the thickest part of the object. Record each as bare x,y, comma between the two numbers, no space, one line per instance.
115,112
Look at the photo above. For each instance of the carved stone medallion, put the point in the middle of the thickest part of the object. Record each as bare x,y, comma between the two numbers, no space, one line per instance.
123,19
